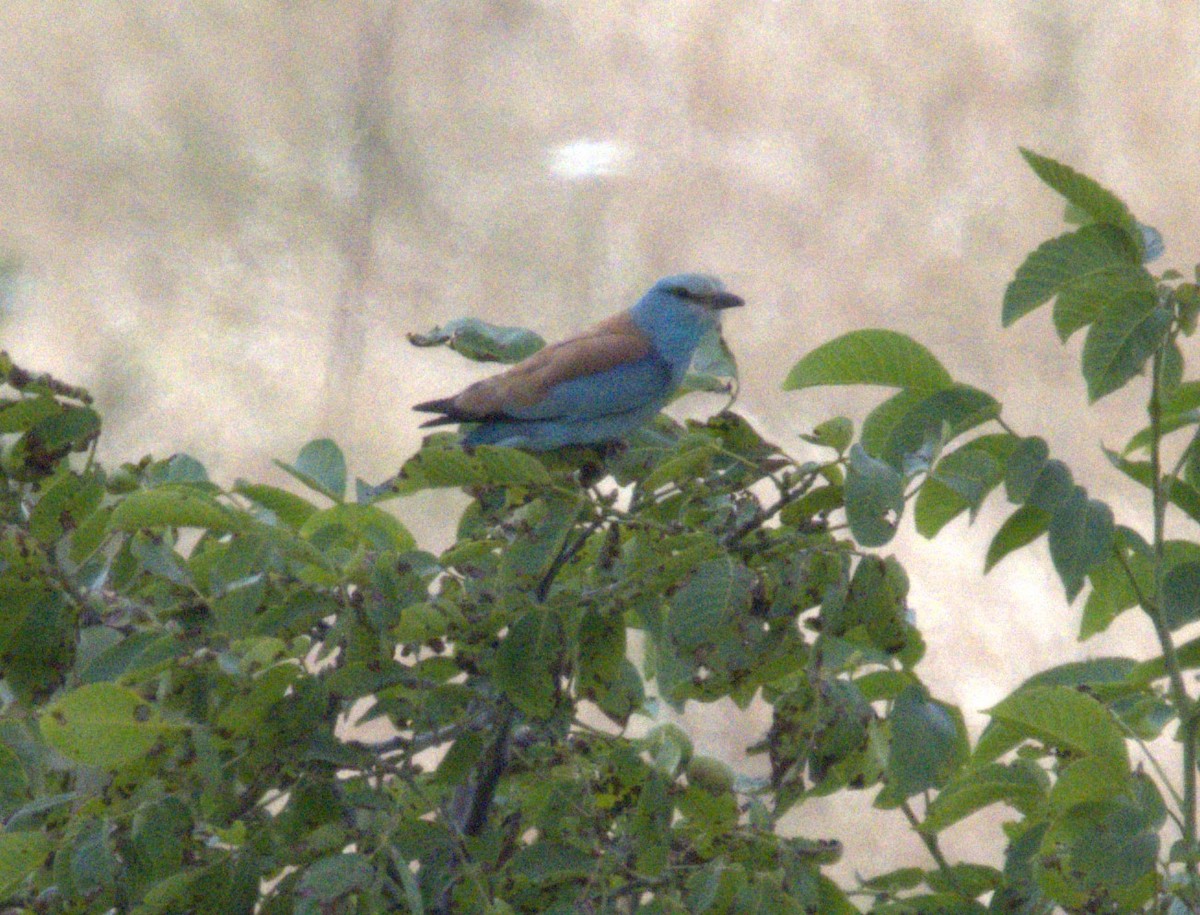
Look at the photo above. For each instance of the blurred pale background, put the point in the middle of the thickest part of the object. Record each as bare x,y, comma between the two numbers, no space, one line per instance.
228,215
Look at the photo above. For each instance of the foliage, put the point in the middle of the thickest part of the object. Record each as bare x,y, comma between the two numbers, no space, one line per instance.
185,665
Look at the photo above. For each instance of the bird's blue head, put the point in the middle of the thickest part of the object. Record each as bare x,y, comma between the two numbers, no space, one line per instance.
678,311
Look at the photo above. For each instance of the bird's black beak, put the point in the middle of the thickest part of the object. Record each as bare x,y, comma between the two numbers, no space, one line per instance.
720,300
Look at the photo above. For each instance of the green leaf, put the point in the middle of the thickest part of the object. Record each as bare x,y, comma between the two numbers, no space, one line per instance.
1053,486
881,422
709,600
601,649
103,725
965,879
320,466
881,357
369,524
336,876
174,507
289,508
1021,785
929,742
651,826
1108,846
1111,595
547,523
1020,529
1119,344
1092,673
526,662
834,433
1081,258
511,467
19,415
21,853
1086,299
1086,195
72,429
1023,468
420,623
178,468
160,833
961,480
903,878
64,505
1180,493
1064,718
1181,594
546,863
1081,535
695,454
1171,422
942,416
482,342
441,462
874,496
1090,779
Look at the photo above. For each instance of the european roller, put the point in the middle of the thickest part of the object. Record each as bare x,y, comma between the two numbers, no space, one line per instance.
599,385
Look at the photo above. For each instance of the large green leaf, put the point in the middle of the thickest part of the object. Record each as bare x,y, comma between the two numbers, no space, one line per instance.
320,466
1053,486
1021,785
709,599
881,357
527,660
1020,529
1087,195
1024,466
1064,718
1180,493
961,480
510,466
1082,258
929,742
1180,597
546,525
103,725
1111,595
65,504
287,507
335,876
175,506
21,853
874,495
482,342
1118,345
1081,535
880,423
941,416
20,414
442,463
1108,848
1087,298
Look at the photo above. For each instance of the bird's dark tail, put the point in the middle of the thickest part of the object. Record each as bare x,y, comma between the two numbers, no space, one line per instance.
443,405
450,413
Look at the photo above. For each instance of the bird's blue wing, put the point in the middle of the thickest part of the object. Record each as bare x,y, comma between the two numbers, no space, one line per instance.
626,388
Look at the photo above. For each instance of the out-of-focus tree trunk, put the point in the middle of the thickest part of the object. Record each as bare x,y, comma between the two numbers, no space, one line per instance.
365,193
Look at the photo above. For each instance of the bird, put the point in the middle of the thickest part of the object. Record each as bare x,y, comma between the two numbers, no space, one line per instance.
599,385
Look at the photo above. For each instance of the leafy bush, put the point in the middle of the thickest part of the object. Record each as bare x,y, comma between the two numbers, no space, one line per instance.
182,663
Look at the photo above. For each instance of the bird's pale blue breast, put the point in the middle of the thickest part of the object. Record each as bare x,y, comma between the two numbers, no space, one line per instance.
674,328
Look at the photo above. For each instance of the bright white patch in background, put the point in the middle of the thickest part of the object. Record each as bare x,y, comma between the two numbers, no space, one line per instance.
588,159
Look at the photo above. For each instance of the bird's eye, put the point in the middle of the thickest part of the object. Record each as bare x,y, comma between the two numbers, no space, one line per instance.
683,293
